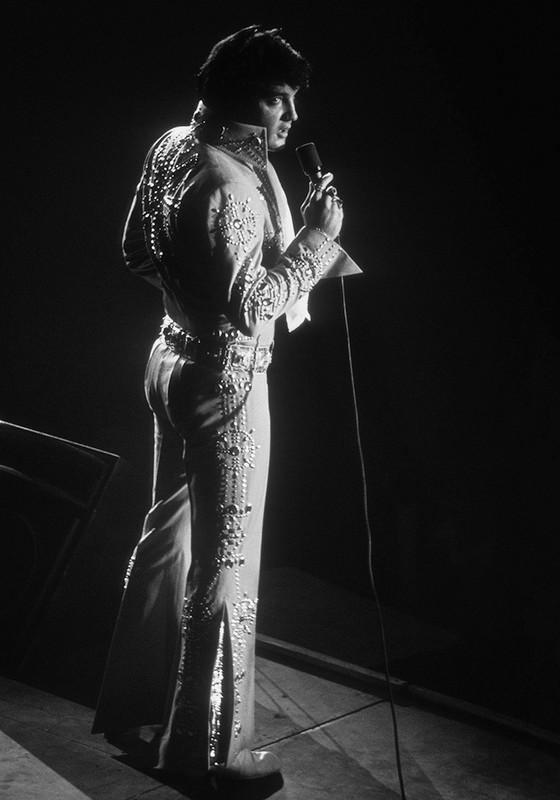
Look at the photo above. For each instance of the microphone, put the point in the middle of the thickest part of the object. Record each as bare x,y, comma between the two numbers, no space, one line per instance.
310,162
312,166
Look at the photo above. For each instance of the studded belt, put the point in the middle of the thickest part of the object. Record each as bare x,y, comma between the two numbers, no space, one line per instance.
221,352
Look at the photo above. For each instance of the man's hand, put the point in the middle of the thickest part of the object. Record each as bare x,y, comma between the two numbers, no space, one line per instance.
322,208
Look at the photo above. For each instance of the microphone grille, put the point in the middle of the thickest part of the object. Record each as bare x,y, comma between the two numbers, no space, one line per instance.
309,159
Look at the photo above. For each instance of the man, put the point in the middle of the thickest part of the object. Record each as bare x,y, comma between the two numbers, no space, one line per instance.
210,226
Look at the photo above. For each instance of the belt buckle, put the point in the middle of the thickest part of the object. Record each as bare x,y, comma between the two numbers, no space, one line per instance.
241,356
263,357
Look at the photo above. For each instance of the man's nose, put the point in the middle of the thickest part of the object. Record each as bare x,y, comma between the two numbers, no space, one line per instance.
291,113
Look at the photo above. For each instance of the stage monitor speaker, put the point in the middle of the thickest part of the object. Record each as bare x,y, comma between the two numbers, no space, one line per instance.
49,490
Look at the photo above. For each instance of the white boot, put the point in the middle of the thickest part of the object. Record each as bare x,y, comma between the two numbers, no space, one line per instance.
248,765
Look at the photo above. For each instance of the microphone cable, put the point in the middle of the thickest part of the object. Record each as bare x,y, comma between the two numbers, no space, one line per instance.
312,165
370,542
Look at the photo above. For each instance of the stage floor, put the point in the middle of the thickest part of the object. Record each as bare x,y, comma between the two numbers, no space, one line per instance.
334,737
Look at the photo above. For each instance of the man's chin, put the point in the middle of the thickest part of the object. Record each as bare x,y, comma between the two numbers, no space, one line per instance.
273,147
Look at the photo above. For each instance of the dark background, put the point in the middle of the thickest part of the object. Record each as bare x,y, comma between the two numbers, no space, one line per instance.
436,119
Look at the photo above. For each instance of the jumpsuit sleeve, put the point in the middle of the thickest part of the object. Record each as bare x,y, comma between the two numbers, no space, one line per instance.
136,255
251,294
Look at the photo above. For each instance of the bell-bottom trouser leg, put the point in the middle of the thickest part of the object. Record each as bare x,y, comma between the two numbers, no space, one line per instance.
184,646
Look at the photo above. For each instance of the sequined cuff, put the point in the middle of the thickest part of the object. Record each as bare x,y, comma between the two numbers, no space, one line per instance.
325,236
309,265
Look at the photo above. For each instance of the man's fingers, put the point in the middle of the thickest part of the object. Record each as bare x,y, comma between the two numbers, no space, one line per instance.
325,180
322,185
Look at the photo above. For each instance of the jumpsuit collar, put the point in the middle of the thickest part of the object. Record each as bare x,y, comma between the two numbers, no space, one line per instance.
246,142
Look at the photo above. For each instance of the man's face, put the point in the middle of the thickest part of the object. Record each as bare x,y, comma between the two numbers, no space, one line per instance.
275,110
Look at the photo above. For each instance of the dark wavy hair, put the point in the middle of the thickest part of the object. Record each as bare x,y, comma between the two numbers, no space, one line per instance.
241,66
